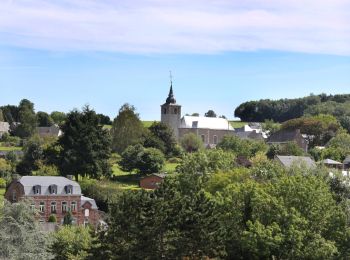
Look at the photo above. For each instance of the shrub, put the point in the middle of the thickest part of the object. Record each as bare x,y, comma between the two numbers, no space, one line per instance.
2,183
52,219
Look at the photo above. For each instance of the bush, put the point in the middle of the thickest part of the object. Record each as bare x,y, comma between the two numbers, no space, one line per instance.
143,160
174,160
52,219
191,143
2,183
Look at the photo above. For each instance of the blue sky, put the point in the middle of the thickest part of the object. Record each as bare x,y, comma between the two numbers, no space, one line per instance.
64,54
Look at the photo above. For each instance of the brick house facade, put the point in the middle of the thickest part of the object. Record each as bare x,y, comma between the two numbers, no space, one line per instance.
51,195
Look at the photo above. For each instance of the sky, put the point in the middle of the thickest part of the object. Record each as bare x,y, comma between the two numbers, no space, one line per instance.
64,54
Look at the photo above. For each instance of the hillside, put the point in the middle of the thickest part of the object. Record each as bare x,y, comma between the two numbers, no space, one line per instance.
286,109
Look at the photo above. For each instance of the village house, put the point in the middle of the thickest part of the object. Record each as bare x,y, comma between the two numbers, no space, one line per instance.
49,131
284,137
53,195
4,128
300,161
329,163
152,181
210,130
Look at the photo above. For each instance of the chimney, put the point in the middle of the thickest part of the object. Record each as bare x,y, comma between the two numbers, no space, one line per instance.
70,177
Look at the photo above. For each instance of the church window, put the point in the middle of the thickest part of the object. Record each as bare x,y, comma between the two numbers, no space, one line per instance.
175,111
164,110
215,139
203,138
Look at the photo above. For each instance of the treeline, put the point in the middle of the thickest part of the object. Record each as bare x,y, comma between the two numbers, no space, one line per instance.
286,109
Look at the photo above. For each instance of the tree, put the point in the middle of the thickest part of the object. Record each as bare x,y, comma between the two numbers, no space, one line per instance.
127,128
27,119
20,234
71,242
68,219
270,127
33,154
144,160
58,117
104,120
44,119
210,113
85,145
165,134
5,169
195,114
191,143
290,148
1,116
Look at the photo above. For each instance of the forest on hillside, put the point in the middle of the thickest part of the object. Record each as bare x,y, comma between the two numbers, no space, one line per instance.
285,109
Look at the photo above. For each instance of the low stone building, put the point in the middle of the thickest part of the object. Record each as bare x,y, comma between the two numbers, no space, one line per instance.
152,181
300,161
49,131
52,195
4,128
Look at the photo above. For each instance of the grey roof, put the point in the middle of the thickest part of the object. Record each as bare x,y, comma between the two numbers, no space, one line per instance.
49,131
91,201
330,161
250,135
4,127
283,136
29,182
347,160
288,161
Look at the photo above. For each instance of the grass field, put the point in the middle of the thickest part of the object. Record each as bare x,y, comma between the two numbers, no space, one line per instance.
237,124
10,148
147,123
2,193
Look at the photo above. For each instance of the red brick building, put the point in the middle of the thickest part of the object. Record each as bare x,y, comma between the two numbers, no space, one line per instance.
152,181
51,195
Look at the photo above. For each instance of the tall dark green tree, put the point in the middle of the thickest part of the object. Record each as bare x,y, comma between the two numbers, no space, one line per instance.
85,145
44,119
127,129
210,113
27,119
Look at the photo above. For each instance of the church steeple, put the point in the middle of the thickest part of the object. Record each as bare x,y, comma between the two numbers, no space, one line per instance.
171,99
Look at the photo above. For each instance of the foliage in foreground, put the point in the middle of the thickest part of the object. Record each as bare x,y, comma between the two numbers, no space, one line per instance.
20,236
236,215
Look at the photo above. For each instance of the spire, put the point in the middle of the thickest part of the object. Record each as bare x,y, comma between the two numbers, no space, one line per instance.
171,99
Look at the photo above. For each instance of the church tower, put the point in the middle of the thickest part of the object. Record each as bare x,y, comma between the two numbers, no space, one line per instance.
171,112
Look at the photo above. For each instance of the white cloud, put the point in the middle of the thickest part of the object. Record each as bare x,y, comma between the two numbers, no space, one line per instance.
164,26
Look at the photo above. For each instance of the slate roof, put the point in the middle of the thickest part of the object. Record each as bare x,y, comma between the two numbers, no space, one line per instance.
284,136
49,131
29,182
330,161
91,201
288,161
250,135
205,123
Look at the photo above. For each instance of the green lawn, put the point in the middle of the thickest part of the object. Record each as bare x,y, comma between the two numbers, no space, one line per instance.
148,123
2,193
10,148
238,124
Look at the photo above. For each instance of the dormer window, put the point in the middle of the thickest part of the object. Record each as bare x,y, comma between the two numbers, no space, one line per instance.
69,189
37,189
195,124
53,189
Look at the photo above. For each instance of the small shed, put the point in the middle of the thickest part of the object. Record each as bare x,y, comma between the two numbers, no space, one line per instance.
152,181
332,164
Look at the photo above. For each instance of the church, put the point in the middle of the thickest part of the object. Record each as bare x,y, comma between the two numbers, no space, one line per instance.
210,129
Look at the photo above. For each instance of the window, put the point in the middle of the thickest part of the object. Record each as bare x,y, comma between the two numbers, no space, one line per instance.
37,189
175,111
69,189
42,206
14,196
73,206
203,138
86,222
195,124
215,139
164,111
64,206
86,212
53,207
32,206
53,189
